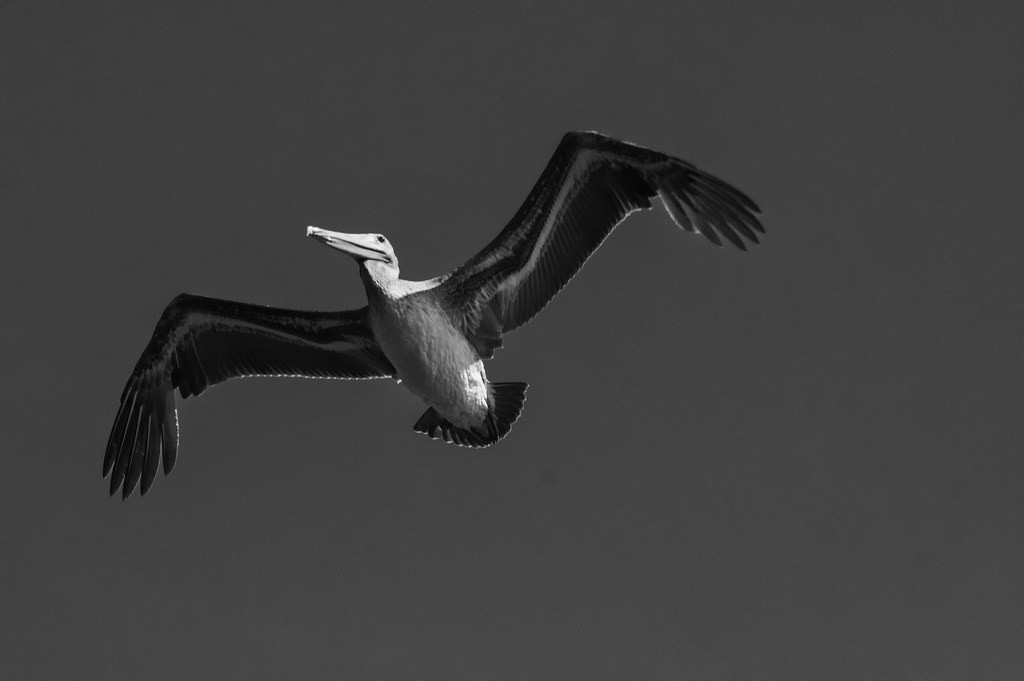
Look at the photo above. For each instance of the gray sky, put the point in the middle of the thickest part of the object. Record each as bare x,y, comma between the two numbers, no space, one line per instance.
798,463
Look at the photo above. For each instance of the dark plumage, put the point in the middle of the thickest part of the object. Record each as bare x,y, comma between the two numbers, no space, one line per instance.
434,334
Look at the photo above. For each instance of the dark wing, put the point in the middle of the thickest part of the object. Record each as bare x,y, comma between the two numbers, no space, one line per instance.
200,342
589,186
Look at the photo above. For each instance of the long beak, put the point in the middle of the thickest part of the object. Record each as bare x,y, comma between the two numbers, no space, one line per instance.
359,246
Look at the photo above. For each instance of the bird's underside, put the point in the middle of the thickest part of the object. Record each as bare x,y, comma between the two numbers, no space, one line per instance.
589,186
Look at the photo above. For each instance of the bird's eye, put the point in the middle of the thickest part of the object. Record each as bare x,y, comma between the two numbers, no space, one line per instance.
381,239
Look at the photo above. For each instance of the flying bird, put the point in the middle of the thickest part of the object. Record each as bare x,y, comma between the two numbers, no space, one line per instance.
432,336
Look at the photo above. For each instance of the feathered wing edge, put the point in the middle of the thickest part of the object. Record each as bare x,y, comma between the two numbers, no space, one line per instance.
200,342
590,185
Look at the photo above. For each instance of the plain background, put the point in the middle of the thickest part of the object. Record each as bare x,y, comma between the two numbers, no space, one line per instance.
802,462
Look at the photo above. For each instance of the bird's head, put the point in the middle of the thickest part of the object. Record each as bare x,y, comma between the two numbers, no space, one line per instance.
365,248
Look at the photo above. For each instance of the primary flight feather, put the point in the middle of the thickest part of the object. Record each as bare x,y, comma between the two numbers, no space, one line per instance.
431,335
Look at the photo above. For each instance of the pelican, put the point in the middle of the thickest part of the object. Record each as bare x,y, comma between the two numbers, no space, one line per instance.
432,336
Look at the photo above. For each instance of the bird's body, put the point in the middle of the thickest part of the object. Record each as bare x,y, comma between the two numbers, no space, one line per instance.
431,357
433,336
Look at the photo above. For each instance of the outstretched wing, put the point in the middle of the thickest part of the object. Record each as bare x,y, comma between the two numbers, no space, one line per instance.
200,342
590,185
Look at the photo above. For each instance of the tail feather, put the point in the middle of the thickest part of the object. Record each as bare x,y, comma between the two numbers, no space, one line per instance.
506,405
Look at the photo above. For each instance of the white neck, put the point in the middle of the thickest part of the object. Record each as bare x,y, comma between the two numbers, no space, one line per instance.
379,278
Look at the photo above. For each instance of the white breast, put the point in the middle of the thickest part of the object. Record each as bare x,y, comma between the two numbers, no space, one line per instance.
433,358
